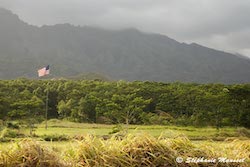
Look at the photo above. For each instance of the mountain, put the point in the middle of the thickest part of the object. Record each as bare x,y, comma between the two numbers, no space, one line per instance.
127,54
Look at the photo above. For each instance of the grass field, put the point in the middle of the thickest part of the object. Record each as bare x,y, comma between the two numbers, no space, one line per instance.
76,144
75,129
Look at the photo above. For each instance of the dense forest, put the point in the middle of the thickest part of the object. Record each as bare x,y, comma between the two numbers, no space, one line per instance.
137,102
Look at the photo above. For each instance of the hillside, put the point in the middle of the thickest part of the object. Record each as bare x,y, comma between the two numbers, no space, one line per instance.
125,54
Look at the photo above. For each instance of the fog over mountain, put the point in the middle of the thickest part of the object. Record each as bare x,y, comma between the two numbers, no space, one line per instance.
120,54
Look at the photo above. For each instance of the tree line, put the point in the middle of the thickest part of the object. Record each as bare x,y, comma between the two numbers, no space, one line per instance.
138,102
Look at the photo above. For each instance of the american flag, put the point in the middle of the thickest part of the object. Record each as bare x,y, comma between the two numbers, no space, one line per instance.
43,71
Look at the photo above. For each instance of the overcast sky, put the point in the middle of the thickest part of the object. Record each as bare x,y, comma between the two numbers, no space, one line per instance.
220,24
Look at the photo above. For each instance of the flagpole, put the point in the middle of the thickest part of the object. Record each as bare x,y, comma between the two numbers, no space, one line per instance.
42,72
47,99
46,109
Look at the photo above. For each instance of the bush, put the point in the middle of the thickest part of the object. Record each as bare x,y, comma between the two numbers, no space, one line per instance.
13,125
104,120
10,133
116,129
2,140
159,118
55,137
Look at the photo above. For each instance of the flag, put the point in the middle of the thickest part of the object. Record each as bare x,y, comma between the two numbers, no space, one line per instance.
43,71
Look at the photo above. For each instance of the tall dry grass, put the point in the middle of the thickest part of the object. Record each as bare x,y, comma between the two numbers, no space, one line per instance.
29,153
131,150
145,150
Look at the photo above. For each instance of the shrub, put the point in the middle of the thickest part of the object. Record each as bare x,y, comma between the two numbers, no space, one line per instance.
55,137
158,118
116,129
10,133
13,125
104,120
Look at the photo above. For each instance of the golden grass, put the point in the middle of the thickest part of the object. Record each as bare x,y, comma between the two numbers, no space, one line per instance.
29,153
145,150
130,150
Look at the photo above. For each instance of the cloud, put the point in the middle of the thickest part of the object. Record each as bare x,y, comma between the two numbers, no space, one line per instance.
220,24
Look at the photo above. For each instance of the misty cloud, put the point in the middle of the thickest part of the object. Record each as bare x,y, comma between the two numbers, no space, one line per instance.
222,24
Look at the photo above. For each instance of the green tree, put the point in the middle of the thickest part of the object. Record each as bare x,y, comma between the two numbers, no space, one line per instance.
131,106
27,110
64,109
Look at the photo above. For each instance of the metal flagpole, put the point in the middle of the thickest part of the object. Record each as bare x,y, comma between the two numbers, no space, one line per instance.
42,72
46,109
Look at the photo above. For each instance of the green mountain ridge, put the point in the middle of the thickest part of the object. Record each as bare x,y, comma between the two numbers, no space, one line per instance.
127,54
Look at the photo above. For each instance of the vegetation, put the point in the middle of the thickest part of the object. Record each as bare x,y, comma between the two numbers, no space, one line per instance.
131,150
125,102
93,121
100,123
71,130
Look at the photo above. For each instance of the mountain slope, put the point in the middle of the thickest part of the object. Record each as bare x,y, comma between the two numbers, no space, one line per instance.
126,54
